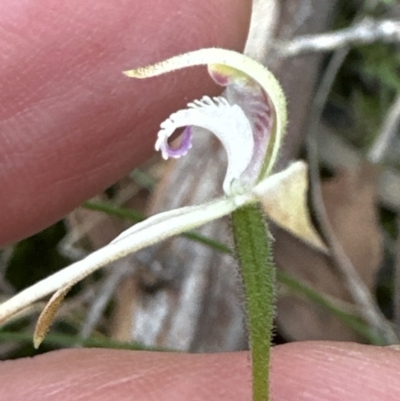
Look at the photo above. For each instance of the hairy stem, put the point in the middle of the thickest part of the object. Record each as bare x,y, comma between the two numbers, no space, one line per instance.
253,248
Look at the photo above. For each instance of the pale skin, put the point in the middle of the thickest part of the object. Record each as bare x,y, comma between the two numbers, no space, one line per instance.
70,125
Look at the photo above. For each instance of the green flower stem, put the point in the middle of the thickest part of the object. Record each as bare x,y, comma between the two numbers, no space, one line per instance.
253,248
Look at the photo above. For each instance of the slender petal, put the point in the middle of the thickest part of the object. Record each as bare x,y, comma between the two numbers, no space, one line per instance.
148,232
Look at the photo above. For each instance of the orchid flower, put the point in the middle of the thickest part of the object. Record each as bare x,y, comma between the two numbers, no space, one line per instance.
249,120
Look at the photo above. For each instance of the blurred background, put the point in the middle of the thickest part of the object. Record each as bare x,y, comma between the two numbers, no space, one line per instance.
339,64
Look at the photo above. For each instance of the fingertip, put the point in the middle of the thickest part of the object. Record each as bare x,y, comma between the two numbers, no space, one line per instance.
300,371
71,124
124,375
335,372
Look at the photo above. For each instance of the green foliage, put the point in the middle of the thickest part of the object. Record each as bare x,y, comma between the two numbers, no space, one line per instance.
366,86
36,257
381,62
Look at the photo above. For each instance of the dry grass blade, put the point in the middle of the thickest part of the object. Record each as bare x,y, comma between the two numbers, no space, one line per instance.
396,301
386,134
46,318
349,199
358,289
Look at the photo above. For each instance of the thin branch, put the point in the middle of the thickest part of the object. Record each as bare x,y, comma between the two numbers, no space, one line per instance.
386,133
364,32
359,291
396,299
103,296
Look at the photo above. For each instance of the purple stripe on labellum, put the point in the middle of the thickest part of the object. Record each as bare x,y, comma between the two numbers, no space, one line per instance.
220,79
184,146
228,122
242,120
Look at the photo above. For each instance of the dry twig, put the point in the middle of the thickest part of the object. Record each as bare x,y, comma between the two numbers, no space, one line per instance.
364,32
104,295
356,286
396,300
386,133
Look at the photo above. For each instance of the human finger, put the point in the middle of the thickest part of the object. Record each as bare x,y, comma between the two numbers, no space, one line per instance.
300,371
70,123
